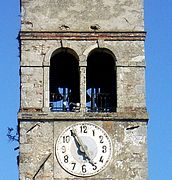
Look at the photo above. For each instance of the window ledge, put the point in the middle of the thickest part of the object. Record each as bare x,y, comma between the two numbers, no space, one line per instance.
140,114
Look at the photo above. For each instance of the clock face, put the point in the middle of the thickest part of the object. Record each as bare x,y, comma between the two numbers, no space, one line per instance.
83,149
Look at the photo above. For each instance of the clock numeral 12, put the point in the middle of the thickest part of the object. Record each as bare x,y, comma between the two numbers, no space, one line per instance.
83,129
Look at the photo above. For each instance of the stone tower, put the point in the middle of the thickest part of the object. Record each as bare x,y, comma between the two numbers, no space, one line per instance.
82,61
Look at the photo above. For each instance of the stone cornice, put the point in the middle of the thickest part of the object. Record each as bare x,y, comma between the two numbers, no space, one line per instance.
51,116
106,36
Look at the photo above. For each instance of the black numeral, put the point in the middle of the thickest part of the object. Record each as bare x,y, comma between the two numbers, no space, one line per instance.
84,168
66,139
63,149
93,132
101,159
74,164
104,149
66,159
94,166
83,129
101,139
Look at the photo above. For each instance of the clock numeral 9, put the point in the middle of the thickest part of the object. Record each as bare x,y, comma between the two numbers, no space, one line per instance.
63,149
83,129
66,139
84,168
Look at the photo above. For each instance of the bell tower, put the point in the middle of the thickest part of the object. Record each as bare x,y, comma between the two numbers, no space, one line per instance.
82,84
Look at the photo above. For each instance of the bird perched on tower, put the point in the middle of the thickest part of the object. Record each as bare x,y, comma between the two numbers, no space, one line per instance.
95,27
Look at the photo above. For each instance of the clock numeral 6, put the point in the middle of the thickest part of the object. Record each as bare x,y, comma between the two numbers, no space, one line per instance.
84,168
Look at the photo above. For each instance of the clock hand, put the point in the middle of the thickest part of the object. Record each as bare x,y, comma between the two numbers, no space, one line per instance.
83,147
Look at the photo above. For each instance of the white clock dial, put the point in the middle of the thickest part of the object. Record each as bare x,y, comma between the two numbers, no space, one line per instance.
83,149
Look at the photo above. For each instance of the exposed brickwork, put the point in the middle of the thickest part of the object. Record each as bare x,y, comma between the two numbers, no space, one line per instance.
107,36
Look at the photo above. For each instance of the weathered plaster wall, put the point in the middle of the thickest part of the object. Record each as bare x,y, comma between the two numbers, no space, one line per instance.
37,146
67,23
130,66
31,87
131,89
79,15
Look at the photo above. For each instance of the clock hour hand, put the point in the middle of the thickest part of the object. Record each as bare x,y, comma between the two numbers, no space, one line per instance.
82,146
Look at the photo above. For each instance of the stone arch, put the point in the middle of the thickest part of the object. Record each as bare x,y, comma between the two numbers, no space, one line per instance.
65,50
56,48
102,45
101,80
64,80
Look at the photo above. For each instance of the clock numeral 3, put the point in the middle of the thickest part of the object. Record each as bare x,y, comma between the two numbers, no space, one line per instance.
104,149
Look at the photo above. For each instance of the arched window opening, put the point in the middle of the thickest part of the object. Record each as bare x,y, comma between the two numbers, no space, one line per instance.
64,81
101,81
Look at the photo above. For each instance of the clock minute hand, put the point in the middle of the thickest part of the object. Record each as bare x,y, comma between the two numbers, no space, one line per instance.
83,147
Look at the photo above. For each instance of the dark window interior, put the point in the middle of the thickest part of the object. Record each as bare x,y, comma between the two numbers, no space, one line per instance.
101,81
64,81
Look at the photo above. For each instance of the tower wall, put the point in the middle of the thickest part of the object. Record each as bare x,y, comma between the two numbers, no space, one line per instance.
80,15
35,63
82,26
